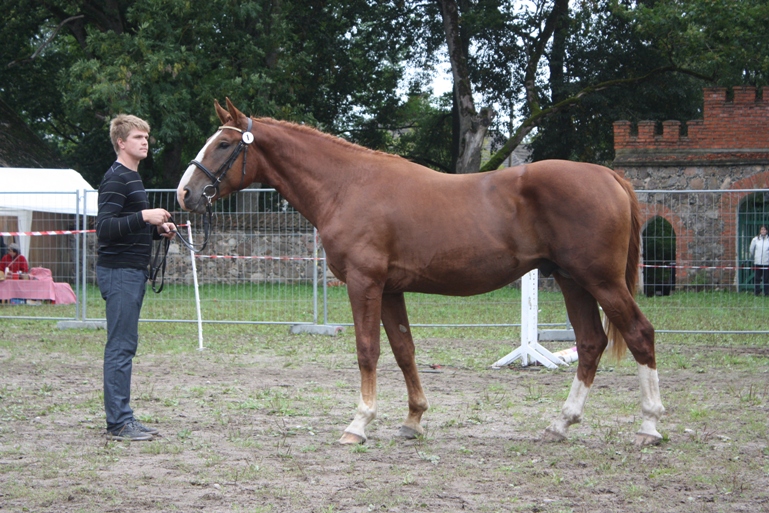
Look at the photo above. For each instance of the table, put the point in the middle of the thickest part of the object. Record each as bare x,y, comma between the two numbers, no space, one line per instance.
41,289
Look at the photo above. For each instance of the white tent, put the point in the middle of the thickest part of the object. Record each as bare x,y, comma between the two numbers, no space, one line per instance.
26,190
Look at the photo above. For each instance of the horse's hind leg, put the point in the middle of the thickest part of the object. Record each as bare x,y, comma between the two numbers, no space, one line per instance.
591,342
623,312
396,325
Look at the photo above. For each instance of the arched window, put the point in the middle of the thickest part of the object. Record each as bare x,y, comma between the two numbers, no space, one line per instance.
659,257
752,213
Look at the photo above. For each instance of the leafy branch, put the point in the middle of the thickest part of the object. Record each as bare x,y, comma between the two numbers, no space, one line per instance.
45,43
541,115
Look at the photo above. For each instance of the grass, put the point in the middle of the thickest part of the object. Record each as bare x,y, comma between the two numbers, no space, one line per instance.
294,303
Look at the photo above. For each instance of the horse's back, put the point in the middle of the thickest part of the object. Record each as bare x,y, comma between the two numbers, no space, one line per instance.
480,232
573,194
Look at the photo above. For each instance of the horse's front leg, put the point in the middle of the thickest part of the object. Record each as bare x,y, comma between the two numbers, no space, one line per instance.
396,325
366,302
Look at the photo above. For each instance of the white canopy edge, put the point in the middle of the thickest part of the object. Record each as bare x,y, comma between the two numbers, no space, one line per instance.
28,190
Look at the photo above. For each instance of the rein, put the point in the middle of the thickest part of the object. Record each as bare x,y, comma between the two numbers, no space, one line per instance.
156,267
158,264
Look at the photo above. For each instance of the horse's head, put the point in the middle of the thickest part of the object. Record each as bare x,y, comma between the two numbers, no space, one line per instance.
220,167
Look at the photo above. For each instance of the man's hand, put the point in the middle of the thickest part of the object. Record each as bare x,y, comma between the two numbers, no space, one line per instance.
155,216
167,230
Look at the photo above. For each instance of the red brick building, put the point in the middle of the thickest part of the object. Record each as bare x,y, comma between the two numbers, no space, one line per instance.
726,151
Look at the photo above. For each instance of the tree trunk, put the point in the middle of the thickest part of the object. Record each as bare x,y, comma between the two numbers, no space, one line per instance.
472,126
556,20
172,163
560,124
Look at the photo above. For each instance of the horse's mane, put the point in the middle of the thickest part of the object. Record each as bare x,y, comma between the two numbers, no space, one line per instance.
331,138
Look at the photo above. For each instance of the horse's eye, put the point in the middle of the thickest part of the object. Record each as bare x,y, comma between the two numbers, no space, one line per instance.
224,145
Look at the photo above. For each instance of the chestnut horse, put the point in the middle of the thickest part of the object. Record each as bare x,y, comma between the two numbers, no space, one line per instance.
390,226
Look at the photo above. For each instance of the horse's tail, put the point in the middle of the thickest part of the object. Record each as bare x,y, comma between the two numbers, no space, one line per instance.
617,345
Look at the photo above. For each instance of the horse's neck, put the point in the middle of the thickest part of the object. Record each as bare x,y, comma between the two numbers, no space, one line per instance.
307,169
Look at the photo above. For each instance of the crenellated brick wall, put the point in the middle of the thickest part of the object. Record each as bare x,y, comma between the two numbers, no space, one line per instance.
732,131
728,149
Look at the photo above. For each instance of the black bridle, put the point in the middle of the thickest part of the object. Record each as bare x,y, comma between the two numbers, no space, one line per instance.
209,192
216,178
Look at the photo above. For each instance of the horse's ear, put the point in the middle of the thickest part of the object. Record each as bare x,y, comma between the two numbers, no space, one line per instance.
224,116
235,113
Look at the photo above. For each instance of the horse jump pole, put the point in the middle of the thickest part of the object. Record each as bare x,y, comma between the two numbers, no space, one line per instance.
530,347
197,290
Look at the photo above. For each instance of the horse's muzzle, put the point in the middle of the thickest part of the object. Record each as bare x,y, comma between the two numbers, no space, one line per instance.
189,202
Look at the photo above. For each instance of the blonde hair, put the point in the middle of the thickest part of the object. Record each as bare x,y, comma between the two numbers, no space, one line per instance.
121,126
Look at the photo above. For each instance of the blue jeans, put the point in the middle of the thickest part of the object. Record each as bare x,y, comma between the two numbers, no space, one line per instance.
123,290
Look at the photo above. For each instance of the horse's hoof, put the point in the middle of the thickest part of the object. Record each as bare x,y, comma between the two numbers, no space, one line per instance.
551,435
408,433
643,439
351,439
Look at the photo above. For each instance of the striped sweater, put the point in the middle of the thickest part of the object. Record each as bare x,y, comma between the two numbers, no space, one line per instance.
125,240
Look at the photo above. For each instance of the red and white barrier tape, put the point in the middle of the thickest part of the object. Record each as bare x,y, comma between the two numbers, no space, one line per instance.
56,232
49,232
723,267
237,257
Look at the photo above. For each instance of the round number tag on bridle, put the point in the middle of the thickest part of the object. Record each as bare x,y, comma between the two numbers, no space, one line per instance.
248,137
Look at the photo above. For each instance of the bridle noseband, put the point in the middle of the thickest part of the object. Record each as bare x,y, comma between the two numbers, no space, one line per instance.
212,189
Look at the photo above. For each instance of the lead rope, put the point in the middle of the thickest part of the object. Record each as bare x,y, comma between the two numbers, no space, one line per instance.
160,267
158,263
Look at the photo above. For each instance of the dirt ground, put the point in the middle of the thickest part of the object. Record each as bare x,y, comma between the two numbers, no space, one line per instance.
257,431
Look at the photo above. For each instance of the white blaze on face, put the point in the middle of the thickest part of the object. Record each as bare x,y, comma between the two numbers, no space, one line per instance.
191,169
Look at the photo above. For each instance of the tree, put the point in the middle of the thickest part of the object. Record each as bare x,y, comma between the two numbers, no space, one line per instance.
559,71
472,124
70,65
551,72
573,69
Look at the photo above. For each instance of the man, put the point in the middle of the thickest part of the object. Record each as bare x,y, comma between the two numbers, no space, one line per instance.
759,251
125,227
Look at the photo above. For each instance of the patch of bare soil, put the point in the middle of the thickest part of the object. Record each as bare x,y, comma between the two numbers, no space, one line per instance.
258,432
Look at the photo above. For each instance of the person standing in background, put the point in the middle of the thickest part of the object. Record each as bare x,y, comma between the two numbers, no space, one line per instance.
759,252
125,227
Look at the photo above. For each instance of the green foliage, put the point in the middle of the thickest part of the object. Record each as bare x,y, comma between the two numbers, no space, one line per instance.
728,41
614,60
596,55
423,128
324,63
68,66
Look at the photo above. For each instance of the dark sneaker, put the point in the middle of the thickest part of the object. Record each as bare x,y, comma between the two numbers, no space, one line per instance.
146,429
130,432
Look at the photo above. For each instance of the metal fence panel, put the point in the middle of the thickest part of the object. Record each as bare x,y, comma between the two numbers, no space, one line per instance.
257,267
697,274
264,264
47,228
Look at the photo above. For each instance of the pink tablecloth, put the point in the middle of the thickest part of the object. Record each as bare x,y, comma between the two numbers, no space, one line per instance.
42,288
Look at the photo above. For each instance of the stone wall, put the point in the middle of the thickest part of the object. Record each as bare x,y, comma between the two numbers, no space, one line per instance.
241,257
